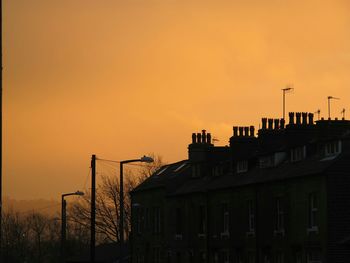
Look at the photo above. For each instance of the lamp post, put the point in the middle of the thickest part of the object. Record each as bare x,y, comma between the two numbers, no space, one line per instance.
64,223
144,159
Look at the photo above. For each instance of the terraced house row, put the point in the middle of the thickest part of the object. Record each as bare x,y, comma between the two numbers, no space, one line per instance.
282,195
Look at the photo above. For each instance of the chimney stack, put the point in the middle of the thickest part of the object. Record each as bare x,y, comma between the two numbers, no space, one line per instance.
291,118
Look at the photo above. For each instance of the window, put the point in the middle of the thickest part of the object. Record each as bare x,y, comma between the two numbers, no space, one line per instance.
224,257
139,257
266,161
178,225
202,257
251,217
251,257
180,167
313,227
218,170
156,220
332,148
314,256
202,220
298,256
280,257
161,170
298,154
156,254
279,223
178,257
225,219
242,166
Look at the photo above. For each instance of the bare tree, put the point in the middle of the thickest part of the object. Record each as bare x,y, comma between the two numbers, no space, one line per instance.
107,202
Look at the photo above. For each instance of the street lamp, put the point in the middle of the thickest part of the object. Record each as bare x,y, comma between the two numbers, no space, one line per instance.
144,159
64,222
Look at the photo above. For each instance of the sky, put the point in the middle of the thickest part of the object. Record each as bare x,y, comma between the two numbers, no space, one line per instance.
124,78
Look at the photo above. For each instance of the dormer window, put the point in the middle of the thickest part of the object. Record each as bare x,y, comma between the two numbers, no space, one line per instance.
298,154
332,148
242,166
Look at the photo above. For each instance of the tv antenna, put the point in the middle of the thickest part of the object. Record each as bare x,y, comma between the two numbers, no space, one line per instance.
318,114
329,105
343,112
287,89
215,139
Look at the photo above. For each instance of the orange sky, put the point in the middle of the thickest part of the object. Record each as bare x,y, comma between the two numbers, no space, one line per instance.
129,77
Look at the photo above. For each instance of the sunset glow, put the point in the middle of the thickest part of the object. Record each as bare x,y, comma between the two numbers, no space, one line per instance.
121,79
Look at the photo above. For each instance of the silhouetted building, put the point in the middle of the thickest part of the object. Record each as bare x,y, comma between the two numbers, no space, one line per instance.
280,196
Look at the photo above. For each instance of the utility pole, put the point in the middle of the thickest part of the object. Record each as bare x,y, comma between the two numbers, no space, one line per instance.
1,130
121,220
329,105
286,89
93,208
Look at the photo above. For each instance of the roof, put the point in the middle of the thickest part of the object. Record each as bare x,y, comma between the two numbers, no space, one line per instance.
180,182
176,178
169,176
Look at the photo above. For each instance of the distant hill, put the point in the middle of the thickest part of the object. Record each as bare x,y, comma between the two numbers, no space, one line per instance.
47,207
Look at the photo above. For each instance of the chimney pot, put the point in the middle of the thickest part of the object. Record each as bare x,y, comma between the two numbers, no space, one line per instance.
264,121
251,131
199,138
240,131
291,118
193,138
246,131
298,118
311,118
304,114
235,131
204,136
282,122
277,124
270,123
209,138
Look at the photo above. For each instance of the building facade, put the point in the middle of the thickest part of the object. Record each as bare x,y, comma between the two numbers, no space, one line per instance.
282,195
